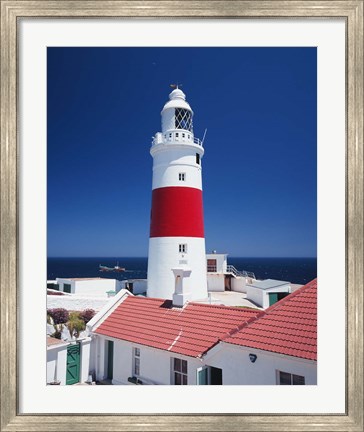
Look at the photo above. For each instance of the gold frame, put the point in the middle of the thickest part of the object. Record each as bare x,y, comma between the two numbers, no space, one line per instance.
352,11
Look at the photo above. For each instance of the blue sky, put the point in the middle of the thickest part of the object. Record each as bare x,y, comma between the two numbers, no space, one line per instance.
259,169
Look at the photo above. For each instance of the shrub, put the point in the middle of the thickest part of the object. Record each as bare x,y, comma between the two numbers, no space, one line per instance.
87,315
75,325
59,315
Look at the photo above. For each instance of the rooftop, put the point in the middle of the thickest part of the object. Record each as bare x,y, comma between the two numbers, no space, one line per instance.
51,341
84,279
288,327
191,330
268,283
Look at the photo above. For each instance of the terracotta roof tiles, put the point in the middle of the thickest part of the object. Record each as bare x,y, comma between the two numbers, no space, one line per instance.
288,327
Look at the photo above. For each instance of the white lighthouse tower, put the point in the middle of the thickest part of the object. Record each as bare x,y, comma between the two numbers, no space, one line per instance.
177,257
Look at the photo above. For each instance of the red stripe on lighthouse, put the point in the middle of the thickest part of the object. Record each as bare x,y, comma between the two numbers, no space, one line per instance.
177,212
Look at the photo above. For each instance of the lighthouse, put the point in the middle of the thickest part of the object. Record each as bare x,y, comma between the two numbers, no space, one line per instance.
177,257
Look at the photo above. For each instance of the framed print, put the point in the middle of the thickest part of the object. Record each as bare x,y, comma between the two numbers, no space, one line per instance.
33,36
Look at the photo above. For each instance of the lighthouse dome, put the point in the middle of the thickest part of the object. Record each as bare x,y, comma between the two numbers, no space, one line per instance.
177,99
177,113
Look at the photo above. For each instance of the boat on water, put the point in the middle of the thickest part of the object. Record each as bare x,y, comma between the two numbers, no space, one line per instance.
116,268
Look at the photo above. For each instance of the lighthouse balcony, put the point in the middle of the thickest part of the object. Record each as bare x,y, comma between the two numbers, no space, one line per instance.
176,137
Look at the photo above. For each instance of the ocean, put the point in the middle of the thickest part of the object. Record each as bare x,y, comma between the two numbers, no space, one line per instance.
295,270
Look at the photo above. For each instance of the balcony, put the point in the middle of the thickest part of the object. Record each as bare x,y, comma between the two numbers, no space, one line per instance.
175,138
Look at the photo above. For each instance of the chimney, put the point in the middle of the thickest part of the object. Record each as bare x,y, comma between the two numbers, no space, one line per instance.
181,292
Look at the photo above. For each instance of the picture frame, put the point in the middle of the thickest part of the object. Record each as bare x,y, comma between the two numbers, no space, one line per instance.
11,12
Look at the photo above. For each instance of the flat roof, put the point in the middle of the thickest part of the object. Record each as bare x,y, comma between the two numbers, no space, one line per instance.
268,283
84,279
51,341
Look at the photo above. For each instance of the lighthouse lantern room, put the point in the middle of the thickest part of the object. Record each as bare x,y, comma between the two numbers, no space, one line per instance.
177,243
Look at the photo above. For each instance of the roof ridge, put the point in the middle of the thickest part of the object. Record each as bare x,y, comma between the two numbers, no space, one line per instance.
243,324
236,308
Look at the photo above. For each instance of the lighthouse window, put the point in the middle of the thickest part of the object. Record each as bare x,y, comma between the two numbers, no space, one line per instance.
182,248
198,158
180,371
182,176
183,119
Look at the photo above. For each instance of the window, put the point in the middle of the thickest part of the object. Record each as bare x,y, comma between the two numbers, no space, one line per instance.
176,134
286,378
136,361
183,119
180,371
67,288
182,248
183,135
182,176
170,135
198,158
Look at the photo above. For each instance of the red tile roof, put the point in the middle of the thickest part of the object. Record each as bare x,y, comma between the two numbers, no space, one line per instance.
190,331
288,327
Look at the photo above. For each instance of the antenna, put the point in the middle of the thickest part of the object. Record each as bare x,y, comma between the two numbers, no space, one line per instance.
176,86
203,138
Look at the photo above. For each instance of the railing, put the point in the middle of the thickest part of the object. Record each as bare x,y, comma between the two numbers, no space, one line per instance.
170,137
235,272
231,269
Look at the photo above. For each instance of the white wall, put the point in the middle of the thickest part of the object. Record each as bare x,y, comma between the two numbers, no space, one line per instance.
238,369
57,363
238,284
155,365
85,366
255,295
96,287
215,282
90,287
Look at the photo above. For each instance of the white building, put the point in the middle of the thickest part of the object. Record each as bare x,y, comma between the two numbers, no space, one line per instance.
176,255
135,286
150,341
267,292
88,287
224,277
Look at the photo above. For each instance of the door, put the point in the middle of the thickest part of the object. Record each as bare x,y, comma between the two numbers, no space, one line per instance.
110,359
273,298
202,376
215,376
73,364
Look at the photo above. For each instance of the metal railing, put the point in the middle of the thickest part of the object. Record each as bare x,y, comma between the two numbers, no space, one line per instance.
235,272
231,269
